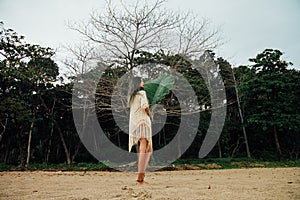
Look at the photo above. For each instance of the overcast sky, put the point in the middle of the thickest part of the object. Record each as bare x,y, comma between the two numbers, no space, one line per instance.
248,26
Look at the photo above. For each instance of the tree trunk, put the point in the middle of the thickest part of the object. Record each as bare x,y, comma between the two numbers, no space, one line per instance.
278,148
179,146
159,138
118,139
164,134
6,155
29,143
50,142
220,150
21,149
67,153
76,150
235,149
4,128
241,115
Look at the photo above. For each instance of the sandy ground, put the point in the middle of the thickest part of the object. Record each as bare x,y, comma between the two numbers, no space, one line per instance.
255,183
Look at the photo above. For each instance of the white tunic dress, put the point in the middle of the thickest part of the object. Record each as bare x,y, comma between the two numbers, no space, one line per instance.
139,121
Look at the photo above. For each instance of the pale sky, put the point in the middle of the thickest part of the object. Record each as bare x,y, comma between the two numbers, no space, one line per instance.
248,26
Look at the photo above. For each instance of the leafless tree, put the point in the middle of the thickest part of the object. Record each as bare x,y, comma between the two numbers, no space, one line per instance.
123,29
195,36
238,97
82,59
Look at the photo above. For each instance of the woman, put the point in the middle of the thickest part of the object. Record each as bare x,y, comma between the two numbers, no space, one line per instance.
140,126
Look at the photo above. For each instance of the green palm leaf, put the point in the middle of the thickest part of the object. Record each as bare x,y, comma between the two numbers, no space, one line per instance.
157,89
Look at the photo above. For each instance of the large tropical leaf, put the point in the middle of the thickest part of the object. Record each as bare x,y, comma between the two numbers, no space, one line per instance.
157,89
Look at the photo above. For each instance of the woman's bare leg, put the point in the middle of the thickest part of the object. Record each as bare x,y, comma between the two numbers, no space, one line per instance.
143,160
147,158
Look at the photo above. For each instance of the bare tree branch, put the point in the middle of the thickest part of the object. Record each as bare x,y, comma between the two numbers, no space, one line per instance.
123,29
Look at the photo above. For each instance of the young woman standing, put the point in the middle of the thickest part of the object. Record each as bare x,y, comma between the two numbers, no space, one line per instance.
140,127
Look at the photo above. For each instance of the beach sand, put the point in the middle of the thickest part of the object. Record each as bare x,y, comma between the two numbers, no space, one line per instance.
253,183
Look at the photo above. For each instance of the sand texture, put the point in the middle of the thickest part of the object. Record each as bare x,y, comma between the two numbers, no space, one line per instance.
254,183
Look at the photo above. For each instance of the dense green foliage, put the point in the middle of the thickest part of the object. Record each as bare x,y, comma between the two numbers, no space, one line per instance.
36,115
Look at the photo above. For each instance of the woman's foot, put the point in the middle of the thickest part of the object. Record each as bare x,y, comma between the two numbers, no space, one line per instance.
141,182
140,179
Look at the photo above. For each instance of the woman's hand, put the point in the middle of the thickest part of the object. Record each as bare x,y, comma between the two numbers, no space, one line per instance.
147,110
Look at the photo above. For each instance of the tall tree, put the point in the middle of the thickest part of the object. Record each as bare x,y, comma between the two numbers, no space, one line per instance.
234,105
26,72
265,94
122,30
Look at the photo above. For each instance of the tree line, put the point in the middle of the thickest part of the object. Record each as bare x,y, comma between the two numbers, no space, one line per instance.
37,126
36,114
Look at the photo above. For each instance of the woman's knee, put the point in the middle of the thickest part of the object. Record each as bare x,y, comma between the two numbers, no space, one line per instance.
143,142
150,151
